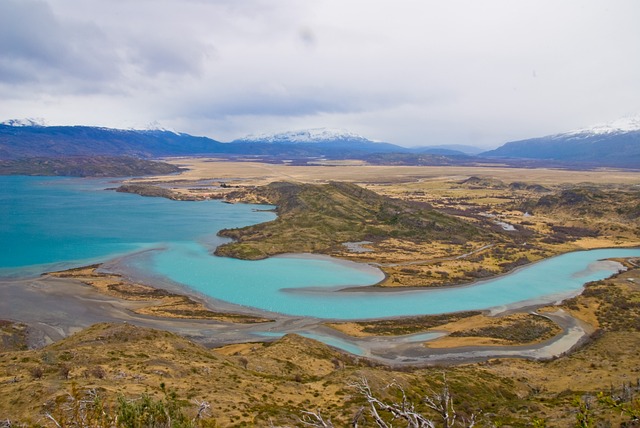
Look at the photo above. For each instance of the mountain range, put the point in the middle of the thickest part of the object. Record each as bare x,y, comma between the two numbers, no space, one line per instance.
22,139
616,144
612,144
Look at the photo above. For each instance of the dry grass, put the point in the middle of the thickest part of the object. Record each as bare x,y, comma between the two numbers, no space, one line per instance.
256,173
467,192
464,329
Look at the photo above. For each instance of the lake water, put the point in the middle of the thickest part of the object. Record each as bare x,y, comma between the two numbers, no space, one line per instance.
58,223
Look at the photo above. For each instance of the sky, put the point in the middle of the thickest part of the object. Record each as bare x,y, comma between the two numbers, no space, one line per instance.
409,72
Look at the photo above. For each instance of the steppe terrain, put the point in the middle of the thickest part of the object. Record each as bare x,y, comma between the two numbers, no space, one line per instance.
511,217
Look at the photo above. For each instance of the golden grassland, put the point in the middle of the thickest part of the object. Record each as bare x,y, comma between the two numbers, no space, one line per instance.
605,213
463,329
256,173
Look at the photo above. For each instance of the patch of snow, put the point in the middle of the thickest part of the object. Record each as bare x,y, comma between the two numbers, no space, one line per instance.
306,136
624,124
30,121
157,126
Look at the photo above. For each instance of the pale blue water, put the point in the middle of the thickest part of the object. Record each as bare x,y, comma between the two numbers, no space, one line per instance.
277,285
62,222
59,223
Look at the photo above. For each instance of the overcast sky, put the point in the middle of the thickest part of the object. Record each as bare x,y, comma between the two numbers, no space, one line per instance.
410,72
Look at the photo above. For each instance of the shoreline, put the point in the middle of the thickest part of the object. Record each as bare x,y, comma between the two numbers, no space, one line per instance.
385,289
159,301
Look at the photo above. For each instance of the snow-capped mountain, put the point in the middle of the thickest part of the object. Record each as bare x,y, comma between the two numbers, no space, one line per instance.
157,126
20,139
319,135
31,121
334,143
613,144
55,141
622,125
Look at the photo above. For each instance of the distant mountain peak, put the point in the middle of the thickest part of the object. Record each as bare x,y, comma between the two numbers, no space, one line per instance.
157,126
615,144
30,121
306,136
629,123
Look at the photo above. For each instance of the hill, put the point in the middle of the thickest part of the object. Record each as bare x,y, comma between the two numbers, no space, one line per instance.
598,146
95,166
19,140
319,218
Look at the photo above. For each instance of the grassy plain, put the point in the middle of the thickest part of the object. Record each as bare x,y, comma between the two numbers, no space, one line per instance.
515,216
251,173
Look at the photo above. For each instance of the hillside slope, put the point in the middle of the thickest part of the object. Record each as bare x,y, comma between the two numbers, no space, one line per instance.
63,141
617,149
319,218
94,166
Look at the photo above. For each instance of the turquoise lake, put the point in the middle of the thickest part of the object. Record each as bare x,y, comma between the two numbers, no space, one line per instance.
58,223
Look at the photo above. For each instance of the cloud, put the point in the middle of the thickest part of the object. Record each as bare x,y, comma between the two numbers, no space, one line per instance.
36,47
61,54
296,99
168,55
409,72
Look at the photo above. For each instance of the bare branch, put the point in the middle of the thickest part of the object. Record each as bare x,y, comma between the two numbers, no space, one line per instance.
53,419
315,419
203,409
404,410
